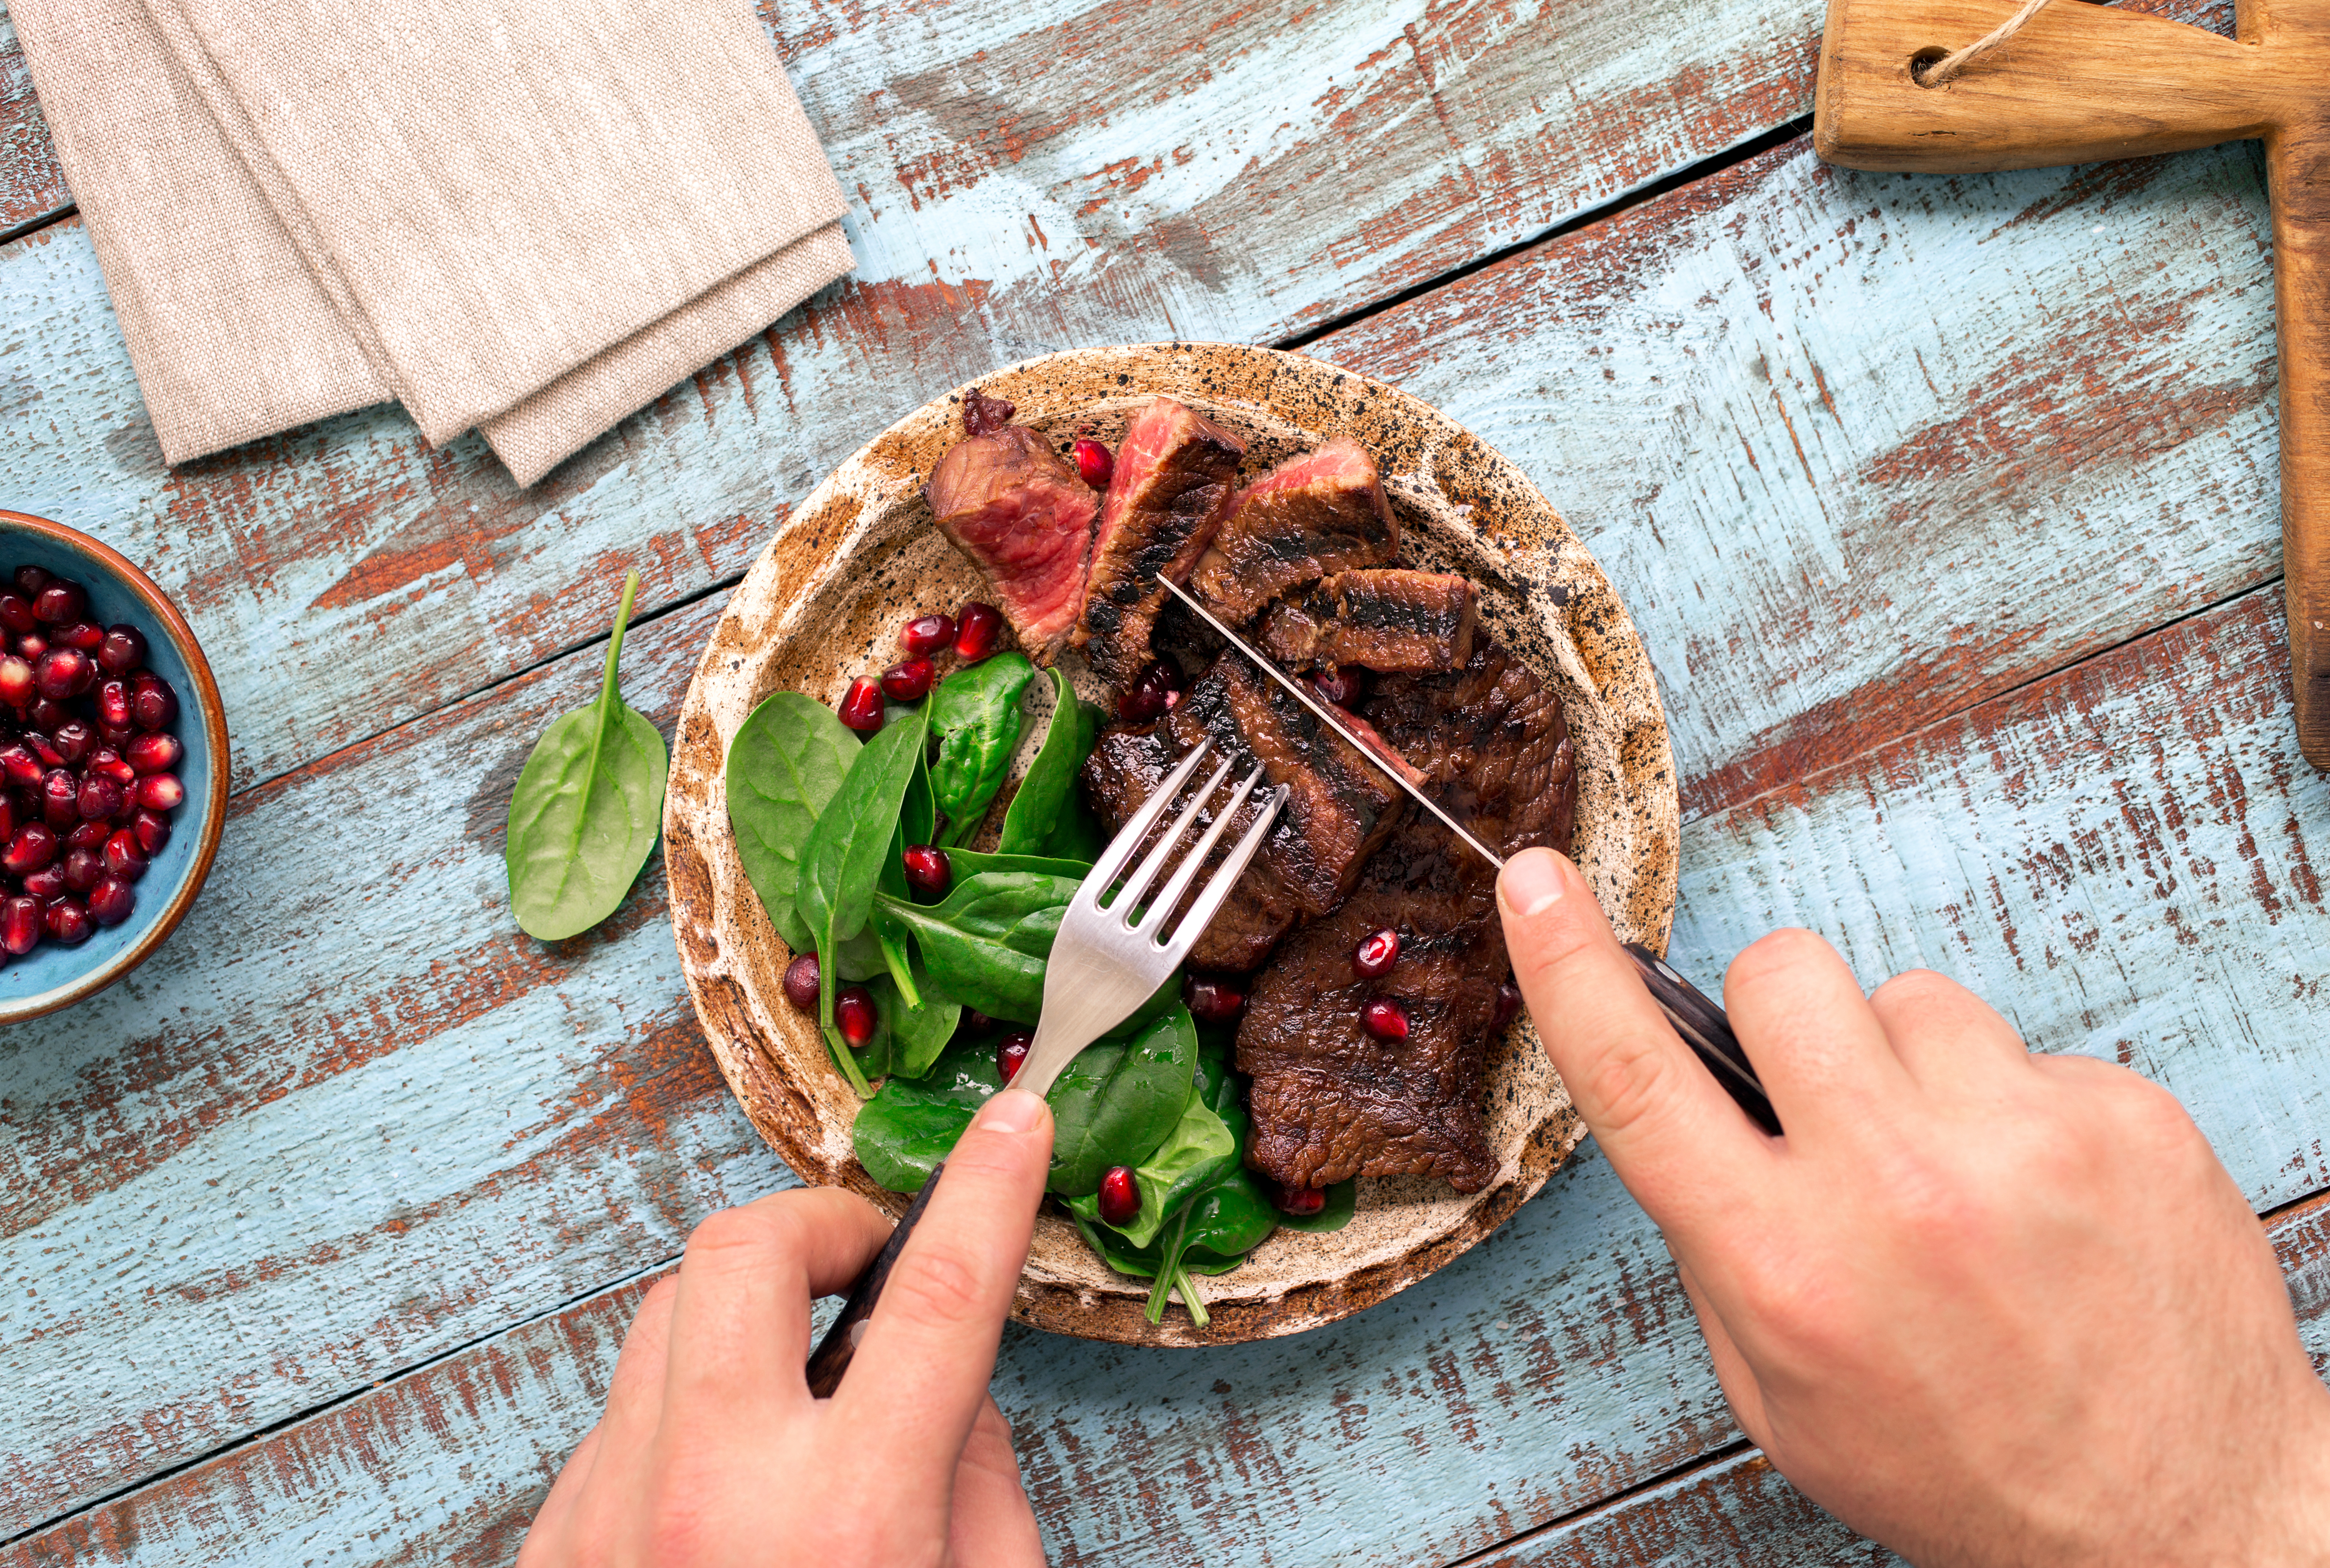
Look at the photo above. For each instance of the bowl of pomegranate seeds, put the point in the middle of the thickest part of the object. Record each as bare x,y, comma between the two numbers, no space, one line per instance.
113,764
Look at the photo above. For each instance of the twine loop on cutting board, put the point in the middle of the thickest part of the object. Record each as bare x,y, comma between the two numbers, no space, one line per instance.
1952,65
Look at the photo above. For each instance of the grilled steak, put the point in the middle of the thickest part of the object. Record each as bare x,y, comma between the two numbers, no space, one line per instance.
1381,620
1176,474
1019,509
1331,1102
1338,810
1311,516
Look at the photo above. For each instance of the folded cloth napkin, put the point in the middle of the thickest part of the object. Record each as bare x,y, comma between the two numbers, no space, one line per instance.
529,216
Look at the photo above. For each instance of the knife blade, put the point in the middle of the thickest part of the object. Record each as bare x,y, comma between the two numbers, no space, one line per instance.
1702,1025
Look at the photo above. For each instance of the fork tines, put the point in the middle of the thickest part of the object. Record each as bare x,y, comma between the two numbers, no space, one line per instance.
1127,905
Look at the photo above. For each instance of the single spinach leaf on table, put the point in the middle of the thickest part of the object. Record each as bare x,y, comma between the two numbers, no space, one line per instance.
1046,789
1120,1099
787,759
975,713
906,1130
587,807
842,857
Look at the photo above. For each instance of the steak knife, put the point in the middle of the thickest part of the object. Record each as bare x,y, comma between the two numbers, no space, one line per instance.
1702,1024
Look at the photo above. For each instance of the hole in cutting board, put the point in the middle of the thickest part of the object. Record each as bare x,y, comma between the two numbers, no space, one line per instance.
1923,60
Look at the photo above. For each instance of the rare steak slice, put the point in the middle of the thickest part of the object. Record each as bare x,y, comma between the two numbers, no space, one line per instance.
1176,475
1019,509
1385,618
1339,807
1308,519
1331,1101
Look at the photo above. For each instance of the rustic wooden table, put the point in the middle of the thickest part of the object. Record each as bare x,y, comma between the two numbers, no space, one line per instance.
1947,507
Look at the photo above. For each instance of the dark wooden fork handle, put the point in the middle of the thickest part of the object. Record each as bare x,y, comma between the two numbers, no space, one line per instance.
831,1357
1707,1032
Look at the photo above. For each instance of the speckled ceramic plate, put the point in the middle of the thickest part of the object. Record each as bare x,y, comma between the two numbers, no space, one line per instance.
823,604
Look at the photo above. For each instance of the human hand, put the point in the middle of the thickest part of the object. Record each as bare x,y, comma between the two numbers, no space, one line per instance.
1987,1308
712,1449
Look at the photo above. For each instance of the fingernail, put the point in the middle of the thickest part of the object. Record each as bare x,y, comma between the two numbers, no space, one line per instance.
1533,882
1011,1110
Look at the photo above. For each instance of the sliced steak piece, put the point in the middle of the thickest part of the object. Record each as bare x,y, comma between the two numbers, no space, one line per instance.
1387,618
1019,509
1176,475
1308,519
1340,808
1331,1101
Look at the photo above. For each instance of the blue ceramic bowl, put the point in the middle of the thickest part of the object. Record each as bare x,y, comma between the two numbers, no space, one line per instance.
53,975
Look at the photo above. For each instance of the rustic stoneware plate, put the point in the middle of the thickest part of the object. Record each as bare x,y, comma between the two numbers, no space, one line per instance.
823,604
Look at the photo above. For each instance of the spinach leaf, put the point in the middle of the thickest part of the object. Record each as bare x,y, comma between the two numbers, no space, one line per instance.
1078,835
889,930
903,1131
985,943
920,1032
587,807
1197,1153
857,960
970,863
1342,1202
1044,789
975,713
1118,1100
788,758
841,860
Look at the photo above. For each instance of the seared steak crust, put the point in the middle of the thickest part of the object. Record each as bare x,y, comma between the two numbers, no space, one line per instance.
1385,618
1316,515
1176,475
1019,509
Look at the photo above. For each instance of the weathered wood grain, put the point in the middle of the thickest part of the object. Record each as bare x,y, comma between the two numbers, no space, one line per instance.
32,186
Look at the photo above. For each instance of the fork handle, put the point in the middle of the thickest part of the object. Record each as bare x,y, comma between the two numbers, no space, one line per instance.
831,1357
1706,1030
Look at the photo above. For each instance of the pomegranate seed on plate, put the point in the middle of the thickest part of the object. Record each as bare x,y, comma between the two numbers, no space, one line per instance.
59,603
154,751
61,799
1376,953
1509,1006
31,847
113,705
74,739
21,919
18,687
83,635
1341,686
46,883
153,831
909,682
82,870
1385,1019
152,703
100,796
926,635
1120,1195
31,580
123,858
928,870
160,792
860,709
1093,462
123,650
16,614
108,763
32,646
64,672
1151,692
111,901
800,975
1213,998
1300,1202
68,922
854,1015
977,630
1011,1055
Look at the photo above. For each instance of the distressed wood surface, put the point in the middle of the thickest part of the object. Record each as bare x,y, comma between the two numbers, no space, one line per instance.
32,186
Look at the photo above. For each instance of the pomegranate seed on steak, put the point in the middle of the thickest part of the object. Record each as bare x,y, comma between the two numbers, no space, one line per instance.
1508,1007
1339,686
1213,998
861,705
1151,692
800,975
1011,1055
1376,953
979,629
855,1016
21,919
1120,1195
929,871
1094,463
1385,1019
909,682
111,901
123,650
926,635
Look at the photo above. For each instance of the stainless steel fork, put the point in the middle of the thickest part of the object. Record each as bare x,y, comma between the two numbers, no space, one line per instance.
1117,944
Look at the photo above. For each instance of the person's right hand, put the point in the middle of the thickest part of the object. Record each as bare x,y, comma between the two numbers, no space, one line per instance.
1987,1308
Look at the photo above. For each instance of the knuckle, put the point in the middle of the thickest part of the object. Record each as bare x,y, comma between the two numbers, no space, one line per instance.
1772,958
747,1230
936,1286
1629,1082
1913,989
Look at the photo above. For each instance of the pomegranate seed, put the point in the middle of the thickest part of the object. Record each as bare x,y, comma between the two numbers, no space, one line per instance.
82,870
108,763
64,672
59,603
31,846
21,919
976,1022
1213,998
1120,1195
123,858
111,901
925,635
49,715
61,799
22,768
46,883
16,613
1011,1055
1300,1202
800,975
1341,686
1376,954
100,796
909,682
88,835
7,817
1508,1007
153,753
979,629
854,1016
113,705
44,749
74,739
861,705
114,735
18,687
153,831
152,703
1093,462
32,646
1385,1019
86,636
1151,692
160,792
31,580
123,650
928,870
68,922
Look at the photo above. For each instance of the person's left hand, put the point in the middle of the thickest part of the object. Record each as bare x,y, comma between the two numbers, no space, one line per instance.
712,1449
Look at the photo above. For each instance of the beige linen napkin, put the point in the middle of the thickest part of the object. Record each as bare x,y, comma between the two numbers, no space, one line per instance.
528,216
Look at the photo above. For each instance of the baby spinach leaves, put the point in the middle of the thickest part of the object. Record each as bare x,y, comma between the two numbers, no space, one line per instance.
903,1131
788,758
975,713
985,943
842,858
1197,1153
1050,780
1118,1100
588,806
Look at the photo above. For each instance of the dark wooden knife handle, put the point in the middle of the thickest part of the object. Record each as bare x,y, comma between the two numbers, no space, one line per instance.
1707,1032
831,1357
